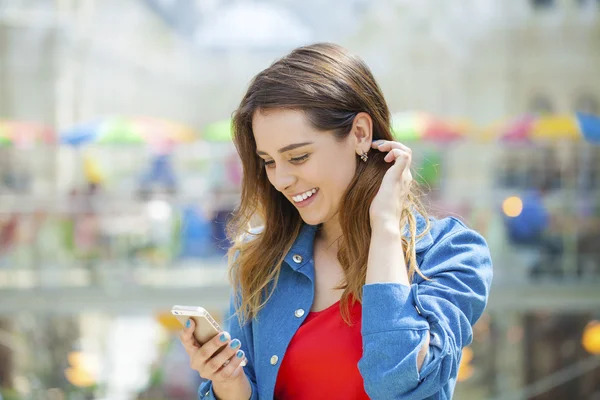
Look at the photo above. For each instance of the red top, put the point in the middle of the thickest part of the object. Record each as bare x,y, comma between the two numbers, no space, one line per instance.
321,360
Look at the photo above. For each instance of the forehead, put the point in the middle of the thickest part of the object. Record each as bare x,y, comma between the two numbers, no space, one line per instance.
277,128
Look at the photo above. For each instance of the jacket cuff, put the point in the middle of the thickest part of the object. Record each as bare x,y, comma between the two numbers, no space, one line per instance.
205,391
390,306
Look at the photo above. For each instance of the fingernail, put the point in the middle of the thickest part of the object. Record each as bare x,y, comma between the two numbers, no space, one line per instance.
235,344
188,323
223,337
239,354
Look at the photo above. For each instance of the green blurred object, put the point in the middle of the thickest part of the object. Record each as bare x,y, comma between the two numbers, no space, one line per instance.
407,126
120,131
220,131
428,172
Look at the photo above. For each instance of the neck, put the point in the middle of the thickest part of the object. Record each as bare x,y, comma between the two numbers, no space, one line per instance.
330,233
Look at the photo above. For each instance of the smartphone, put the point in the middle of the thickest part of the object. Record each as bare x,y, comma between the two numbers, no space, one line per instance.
205,325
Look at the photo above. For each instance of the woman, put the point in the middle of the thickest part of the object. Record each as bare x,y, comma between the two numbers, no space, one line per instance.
344,288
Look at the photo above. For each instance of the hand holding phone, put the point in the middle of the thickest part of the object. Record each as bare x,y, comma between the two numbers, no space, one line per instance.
212,352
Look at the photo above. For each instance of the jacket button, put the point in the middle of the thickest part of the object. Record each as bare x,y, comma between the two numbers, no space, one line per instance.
299,313
274,360
297,258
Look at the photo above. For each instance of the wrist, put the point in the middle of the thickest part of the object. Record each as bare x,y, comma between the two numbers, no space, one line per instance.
385,226
234,388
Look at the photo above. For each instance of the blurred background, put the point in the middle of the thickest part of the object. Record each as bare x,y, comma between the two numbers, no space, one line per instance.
117,175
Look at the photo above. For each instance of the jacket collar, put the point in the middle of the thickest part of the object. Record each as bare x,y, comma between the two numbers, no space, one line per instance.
302,249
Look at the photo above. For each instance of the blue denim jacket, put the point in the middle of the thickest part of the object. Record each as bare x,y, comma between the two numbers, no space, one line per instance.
396,318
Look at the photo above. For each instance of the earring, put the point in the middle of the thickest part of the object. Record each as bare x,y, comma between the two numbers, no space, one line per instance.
364,156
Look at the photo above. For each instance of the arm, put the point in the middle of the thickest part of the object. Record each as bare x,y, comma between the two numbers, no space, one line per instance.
386,265
243,387
413,335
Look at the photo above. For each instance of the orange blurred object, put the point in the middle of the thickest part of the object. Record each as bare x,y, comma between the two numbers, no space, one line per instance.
591,337
465,369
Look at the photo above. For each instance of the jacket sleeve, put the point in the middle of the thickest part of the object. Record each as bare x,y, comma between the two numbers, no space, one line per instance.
244,334
397,319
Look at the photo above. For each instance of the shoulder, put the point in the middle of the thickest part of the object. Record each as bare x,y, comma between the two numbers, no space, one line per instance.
453,243
445,228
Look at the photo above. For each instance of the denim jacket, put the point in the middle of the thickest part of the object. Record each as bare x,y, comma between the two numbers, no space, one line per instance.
395,318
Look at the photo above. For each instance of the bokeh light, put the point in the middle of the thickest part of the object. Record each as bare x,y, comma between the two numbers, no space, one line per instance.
512,206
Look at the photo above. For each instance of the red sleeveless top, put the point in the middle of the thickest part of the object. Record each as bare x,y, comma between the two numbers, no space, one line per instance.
321,359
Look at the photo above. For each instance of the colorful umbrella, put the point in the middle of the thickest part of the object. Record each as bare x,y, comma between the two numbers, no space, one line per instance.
410,126
220,131
550,127
24,134
122,130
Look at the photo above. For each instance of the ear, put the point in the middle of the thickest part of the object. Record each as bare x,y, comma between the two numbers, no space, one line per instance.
362,132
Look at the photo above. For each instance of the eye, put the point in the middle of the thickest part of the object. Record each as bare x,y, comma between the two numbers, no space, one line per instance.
269,163
299,159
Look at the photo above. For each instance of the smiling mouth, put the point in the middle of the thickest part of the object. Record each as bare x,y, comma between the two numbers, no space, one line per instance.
301,197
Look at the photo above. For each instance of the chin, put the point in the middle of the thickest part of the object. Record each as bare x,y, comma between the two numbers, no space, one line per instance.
312,219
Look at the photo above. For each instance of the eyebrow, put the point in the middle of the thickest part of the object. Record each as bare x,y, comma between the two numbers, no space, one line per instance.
285,148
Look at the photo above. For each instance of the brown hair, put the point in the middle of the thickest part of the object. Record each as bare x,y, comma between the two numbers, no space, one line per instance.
331,86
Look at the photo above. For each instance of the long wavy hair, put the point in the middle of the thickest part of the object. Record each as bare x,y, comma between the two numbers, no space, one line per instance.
330,86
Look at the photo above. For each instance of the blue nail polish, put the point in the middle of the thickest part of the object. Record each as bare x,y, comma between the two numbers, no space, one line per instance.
223,337
188,323
239,354
235,344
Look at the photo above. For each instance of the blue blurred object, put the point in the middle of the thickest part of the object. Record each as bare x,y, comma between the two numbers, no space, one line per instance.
533,220
80,134
196,234
590,127
160,172
219,230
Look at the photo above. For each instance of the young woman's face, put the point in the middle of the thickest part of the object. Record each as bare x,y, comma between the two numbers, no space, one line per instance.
310,167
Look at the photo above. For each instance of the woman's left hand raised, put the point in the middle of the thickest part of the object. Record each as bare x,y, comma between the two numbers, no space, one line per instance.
387,205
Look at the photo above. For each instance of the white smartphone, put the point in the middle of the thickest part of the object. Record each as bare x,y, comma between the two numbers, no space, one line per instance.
205,325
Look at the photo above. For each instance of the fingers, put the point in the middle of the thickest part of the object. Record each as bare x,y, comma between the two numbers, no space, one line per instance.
388,145
188,340
217,361
209,349
401,158
234,367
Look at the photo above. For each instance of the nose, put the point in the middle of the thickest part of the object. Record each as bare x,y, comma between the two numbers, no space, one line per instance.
282,178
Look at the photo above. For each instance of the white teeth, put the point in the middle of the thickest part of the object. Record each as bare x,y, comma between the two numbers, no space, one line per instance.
304,195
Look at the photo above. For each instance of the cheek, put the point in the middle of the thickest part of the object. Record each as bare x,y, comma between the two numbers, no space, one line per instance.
270,175
339,178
